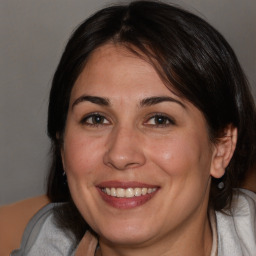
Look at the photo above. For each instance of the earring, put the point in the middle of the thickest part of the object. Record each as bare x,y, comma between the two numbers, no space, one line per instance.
64,178
221,185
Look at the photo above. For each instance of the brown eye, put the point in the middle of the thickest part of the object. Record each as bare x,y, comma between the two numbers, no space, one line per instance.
95,120
159,121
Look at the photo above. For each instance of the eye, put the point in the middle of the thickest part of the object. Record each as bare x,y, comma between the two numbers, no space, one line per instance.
95,119
159,120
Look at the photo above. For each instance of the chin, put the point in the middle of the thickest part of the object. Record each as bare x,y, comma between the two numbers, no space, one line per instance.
125,238
126,233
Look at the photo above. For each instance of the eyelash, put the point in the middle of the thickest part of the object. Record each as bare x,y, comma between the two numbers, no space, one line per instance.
164,117
85,119
167,121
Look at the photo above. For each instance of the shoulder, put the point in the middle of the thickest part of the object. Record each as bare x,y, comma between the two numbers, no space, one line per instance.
13,220
244,202
42,236
236,229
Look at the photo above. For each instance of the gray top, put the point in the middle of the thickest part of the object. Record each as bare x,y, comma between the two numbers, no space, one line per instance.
43,238
235,232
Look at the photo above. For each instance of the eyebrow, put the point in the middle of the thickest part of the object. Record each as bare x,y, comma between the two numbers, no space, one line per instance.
93,99
143,103
156,100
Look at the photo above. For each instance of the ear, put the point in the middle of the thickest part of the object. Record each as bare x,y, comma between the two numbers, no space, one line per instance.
223,151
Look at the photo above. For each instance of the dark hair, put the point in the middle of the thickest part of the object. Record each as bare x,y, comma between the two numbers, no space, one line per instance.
192,59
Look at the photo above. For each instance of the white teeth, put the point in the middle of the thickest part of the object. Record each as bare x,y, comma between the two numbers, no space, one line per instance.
120,192
129,192
137,191
108,191
144,191
113,192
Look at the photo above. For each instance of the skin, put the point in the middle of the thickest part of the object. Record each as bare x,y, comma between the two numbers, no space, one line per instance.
129,143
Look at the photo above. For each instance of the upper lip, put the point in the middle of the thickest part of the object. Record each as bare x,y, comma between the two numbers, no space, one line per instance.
124,184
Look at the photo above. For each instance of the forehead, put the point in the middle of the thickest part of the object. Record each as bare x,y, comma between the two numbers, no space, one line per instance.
114,68
125,81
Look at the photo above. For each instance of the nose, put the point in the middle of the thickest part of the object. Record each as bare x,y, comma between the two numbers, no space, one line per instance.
124,150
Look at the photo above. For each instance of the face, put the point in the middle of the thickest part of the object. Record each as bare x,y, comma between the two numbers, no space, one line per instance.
137,157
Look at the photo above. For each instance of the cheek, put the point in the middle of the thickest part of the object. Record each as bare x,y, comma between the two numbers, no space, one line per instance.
81,154
182,155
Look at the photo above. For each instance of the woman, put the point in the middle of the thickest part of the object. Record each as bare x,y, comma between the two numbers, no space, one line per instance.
151,132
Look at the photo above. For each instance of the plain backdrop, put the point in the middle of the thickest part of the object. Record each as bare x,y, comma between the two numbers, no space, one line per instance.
33,34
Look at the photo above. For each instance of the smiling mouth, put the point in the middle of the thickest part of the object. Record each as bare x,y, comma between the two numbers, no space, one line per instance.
128,192
126,195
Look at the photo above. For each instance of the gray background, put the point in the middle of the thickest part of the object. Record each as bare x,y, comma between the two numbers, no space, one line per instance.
33,34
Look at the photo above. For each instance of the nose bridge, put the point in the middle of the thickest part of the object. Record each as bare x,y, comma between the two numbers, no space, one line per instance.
123,150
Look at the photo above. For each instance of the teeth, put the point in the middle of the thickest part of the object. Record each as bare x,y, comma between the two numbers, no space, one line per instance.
120,192
108,191
144,191
113,192
129,192
137,191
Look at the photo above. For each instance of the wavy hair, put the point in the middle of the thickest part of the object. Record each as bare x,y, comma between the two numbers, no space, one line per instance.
193,60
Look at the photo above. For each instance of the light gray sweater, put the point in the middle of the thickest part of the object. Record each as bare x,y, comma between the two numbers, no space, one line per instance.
233,234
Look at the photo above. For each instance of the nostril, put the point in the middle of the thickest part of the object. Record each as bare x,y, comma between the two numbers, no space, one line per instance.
122,161
122,164
123,151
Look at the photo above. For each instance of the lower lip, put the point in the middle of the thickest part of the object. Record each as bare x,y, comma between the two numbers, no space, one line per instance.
124,202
